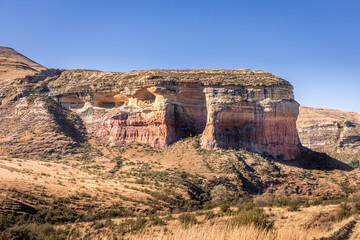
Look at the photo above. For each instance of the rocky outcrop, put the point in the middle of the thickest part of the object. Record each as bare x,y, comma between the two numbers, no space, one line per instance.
231,108
334,132
258,118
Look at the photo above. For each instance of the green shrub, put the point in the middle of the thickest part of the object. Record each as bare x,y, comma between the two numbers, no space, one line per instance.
98,152
210,215
134,225
307,203
294,206
156,221
246,206
97,225
207,205
254,216
119,163
84,195
344,212
196,143
357,207
187,219
32,232
355,163
56,215
345,187
318,201
225,207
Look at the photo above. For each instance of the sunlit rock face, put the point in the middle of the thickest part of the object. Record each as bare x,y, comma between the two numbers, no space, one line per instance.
334,132
261,119
230,108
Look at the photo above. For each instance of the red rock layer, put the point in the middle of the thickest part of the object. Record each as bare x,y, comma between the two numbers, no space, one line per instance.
154,128
265,126
159,122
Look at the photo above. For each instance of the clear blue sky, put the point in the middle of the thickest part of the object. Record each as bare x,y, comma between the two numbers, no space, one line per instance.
315,44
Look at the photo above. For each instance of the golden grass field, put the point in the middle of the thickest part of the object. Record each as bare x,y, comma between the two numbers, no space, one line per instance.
148,179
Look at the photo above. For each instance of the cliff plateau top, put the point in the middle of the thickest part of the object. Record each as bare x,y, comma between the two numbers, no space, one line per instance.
15,65
246,77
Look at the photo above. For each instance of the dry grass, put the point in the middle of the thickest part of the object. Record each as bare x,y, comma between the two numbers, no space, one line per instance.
221,232
145,180
287,226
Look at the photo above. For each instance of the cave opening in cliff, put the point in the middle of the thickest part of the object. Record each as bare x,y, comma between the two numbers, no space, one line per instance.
108,99
190,112
144,96
70,101
106,104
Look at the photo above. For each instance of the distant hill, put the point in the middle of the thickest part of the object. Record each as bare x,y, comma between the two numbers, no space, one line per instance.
334,132
15,65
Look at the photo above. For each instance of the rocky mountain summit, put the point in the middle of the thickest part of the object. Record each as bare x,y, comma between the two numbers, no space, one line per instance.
235,109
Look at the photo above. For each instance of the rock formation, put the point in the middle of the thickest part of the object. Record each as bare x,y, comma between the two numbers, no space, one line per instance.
334,132
231,108
235,109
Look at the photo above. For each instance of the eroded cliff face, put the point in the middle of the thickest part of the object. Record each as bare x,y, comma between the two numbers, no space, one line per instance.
258,118
335,132
154,115
231,108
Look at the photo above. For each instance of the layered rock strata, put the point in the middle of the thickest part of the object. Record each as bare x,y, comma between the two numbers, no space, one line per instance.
239,108
334,132
258,118
231,108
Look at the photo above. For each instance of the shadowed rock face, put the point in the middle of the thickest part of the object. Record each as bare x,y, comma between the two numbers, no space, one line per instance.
231,108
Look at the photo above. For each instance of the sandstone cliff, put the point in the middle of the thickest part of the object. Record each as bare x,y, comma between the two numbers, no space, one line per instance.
231,108
235,109
334,132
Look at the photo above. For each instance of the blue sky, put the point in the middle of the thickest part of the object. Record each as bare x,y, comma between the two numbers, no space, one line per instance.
313,44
